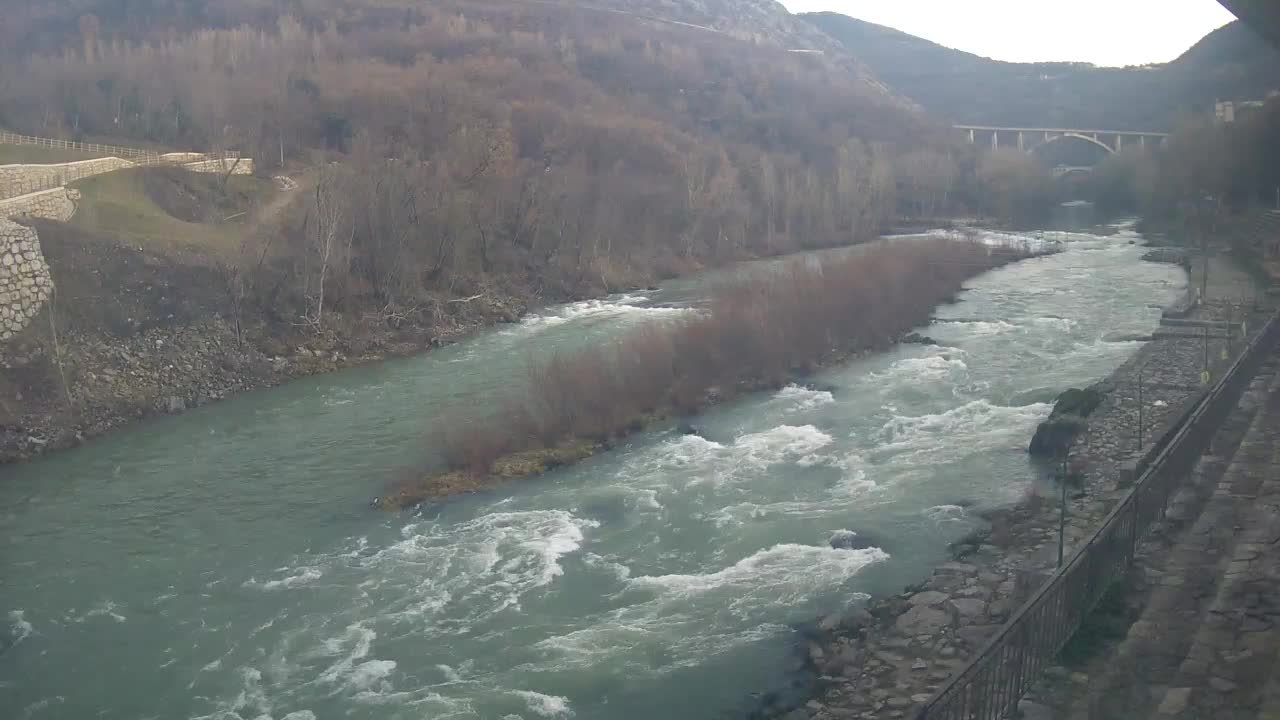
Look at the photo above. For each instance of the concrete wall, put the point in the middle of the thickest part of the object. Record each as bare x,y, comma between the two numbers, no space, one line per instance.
22,179
56,204
25,282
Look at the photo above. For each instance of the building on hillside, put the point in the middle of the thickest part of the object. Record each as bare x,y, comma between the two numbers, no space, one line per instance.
1229,111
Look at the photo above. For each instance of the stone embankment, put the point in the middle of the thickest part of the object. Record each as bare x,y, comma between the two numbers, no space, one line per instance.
57,204
884,660
25,283
94,379
1203,595
23,179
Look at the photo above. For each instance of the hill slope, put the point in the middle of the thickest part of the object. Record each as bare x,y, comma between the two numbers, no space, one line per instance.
1229,63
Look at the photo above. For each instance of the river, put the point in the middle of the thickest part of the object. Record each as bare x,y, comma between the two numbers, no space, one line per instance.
225,563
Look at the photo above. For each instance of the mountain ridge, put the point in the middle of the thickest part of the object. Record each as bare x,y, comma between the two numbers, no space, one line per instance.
965,88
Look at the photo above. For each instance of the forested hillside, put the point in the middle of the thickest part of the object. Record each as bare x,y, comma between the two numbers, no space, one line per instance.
543,139
1231,63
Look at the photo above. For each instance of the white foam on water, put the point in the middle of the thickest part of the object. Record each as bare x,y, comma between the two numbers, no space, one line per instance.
689,450
365,675
1057,323
648,500
300,715
946,513
432,704
252,697
301,576
352,646
981,328
106,608
549,706
932,367
482,566
801,398
774,446
972,427
853,477
620,307
20,627
777,575
449,673
741,513
41,705
551,547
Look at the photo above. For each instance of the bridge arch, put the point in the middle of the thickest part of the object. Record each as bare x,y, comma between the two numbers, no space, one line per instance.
1074,136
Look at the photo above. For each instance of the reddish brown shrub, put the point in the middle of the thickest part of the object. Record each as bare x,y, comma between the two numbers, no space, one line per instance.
756,332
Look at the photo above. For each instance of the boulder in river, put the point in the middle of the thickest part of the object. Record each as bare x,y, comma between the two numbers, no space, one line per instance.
1054,436
687,428
918,339
850,540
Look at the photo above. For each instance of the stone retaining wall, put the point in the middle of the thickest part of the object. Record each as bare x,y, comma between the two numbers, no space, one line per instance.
18,180
25,282
241,166
56,204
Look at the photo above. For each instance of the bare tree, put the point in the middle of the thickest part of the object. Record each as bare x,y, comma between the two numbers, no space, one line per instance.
328,221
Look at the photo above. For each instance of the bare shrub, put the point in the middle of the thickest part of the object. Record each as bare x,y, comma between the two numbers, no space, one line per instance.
756,332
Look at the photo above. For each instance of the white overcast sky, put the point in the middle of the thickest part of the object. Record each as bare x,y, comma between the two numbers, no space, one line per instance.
1103,32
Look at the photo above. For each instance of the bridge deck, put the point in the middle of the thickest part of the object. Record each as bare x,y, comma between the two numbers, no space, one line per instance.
1127,133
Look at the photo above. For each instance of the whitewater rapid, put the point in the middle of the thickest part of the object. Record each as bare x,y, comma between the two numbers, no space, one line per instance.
223,565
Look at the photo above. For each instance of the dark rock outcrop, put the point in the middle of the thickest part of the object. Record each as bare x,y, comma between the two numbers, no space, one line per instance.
1054,436
687,428
918,339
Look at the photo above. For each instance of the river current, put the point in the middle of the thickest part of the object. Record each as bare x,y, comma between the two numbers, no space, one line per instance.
225,563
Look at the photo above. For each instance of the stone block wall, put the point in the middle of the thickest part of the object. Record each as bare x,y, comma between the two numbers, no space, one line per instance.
244,166
25,283
56,204
24,179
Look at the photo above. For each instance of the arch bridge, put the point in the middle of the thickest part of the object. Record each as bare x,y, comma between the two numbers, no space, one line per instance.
1030,139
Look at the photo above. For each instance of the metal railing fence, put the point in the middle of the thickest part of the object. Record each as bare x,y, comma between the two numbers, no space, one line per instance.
990,686
72,171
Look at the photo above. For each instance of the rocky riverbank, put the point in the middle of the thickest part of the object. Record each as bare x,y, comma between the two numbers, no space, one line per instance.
886,658
90,382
